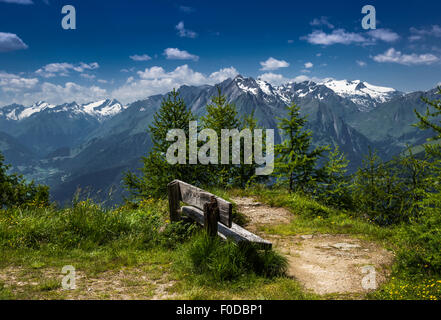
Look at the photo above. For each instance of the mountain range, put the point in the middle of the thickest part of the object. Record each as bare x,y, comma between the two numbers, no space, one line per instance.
90,146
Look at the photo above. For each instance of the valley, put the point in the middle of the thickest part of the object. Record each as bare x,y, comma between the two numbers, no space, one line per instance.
91,146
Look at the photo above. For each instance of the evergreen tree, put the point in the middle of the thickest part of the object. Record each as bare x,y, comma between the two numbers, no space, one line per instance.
378,191
334,187
245,174
16,192
221,115
295,163
156,172
432,203
427,122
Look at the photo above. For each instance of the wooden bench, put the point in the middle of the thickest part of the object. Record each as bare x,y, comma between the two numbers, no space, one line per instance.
210,211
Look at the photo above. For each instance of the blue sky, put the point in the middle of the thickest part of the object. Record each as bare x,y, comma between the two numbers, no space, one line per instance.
129,50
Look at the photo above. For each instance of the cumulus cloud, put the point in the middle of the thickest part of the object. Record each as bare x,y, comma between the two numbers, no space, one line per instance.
18,1
142,57
11,42
24,90
395,56
419,34
309,65
223,74
185,33
273,78
87,76
156,80
322,21
176,54
361,63
302,78
273,64
339,36
14,83
385,35
70,91
63,69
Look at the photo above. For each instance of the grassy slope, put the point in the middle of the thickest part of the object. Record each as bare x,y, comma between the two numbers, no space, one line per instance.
125,253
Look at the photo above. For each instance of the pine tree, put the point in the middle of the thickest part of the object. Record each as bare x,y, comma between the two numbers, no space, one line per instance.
295,163
426,122
16,192
432,203
245,174
334,187
156,172
221,115
379,192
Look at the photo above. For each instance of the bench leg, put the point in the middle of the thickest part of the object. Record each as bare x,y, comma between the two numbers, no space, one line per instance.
174,198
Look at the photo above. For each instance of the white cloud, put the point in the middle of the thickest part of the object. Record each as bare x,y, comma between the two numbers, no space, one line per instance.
26,91
395,56
142,57
418,34
385,35
309,65
18,1
11,42
273,78
339,36
176,54
302,78
223,74
87,76
361,63
322,21
156,80
273,64
14,83
185,33
63,69
71,91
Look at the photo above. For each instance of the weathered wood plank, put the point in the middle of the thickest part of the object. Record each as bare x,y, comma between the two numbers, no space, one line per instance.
174,198
211,217
236,233
197,197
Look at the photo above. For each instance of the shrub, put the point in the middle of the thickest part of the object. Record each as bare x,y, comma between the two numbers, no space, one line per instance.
86,225
176,233
226,261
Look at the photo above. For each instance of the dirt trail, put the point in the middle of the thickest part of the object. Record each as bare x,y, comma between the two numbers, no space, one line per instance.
323,263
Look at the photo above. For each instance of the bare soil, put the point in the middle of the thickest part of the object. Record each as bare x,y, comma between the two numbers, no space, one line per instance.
322,263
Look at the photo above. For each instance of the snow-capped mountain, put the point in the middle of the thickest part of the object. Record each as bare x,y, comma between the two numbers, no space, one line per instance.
92,144
103,108
100,110
18,112
363,94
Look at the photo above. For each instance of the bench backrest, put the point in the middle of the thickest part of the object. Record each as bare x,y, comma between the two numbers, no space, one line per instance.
196,197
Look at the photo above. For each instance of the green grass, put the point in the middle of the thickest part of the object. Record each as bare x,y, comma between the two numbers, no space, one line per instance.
134,252
131,251
221,260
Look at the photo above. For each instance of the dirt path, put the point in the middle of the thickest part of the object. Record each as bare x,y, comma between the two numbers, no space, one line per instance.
323,263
